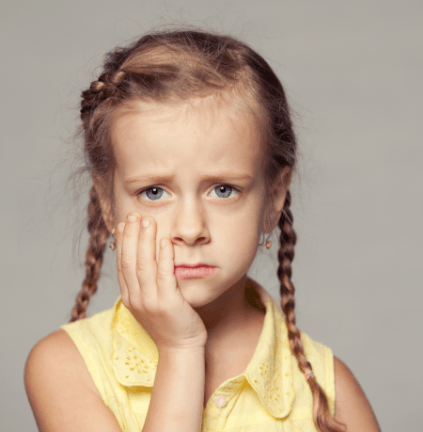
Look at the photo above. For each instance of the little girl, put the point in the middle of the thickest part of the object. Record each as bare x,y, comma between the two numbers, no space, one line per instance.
190,146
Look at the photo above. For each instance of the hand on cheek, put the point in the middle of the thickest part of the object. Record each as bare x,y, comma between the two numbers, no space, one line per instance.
149,289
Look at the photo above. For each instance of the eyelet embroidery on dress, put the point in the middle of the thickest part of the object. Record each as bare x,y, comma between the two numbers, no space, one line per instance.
123,325
135,359
134,354
131,366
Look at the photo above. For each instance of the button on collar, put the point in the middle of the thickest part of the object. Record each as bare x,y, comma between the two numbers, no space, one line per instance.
220,401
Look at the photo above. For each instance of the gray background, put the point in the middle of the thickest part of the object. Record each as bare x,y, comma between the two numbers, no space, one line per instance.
353,73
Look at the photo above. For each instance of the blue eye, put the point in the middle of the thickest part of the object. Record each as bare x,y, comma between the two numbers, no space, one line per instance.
225,190
155,193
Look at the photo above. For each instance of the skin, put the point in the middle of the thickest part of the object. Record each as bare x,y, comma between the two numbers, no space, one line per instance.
192,141
194,322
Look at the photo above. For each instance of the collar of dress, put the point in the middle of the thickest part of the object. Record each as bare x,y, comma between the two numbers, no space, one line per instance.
269,373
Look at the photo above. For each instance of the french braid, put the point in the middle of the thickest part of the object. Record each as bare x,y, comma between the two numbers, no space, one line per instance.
105,87
321,414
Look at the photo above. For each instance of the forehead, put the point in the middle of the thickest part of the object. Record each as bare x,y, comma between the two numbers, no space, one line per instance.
199,134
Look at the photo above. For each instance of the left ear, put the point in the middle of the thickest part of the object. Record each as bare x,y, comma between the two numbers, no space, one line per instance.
279,192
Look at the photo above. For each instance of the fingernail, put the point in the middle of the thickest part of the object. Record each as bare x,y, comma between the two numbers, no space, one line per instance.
145,222
132,218
162,243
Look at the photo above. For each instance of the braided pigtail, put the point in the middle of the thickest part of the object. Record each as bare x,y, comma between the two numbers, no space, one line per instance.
322,418
93,257
171,67
99,162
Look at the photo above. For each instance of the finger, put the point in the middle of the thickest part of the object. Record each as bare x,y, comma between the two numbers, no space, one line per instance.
146,262
166,280
122,284
129,254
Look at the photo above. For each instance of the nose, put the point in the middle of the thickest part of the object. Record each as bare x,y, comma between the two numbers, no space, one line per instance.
190,225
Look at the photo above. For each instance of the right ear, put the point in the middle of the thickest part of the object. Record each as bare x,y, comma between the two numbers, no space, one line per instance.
105,204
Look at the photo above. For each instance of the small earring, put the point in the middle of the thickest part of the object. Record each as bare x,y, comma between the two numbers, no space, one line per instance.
112,244
268,244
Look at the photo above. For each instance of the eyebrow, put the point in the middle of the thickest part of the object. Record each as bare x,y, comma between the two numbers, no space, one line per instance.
168,178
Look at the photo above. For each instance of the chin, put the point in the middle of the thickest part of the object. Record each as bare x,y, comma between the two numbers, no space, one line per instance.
195,294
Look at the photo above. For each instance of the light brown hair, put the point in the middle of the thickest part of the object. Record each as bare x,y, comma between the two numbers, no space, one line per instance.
174,66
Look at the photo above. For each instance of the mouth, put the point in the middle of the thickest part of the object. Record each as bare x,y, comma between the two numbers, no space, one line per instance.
184,271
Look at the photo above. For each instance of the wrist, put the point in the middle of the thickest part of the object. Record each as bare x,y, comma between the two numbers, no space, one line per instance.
181,351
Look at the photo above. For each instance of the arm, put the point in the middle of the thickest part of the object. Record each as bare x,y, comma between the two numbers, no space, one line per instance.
64,398
177,398
61,393
351,404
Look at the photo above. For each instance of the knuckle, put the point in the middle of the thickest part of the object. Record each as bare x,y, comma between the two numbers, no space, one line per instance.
142,264
162,274
126,261
150,219
131,233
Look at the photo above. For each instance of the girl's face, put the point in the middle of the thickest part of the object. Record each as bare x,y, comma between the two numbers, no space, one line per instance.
195,168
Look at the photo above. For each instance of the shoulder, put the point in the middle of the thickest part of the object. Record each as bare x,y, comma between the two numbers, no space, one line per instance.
351,405
57,347
59,390
56,358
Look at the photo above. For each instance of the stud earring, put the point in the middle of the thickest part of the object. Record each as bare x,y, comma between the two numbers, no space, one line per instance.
112,244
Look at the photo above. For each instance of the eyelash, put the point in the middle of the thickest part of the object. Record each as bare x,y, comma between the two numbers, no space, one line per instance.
156,187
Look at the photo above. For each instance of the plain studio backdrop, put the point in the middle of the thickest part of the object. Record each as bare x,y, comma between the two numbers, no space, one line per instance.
353,75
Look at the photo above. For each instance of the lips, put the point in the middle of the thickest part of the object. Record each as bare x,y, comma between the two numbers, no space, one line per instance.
184,271
193,265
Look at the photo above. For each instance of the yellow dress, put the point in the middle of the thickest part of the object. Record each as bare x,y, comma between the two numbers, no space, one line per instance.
271,395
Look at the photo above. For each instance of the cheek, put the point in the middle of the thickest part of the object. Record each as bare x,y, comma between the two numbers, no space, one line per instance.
242,232
238,244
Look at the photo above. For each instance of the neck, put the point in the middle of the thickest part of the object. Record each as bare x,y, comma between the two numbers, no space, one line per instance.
231,313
